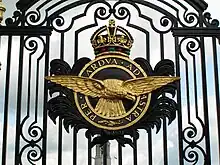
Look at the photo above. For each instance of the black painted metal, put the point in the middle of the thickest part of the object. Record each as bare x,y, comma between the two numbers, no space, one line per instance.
4,141
192,28
119,154
44,133
215,61
150,147
105,154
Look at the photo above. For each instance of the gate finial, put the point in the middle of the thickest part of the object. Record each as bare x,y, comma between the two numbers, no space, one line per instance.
2,10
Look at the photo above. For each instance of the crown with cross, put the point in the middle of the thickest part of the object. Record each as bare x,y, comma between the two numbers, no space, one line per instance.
112,40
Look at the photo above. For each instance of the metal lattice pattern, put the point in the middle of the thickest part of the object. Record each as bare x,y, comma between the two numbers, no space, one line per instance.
41,31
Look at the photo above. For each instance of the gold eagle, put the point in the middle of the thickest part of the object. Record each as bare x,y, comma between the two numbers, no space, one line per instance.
112,91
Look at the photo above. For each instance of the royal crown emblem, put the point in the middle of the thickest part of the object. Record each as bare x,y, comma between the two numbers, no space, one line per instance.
111,92
112,40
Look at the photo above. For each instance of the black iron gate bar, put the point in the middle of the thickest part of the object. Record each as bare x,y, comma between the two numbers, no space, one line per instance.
22,32
202,32
19,28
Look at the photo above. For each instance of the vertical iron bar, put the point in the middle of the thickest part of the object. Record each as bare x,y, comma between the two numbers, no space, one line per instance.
215,61
161,46
179,112
18,117
5,125
60,132
46,70
205,103
119,154
205,96
62,46
60,135
147,46
195,87
149,147
135,151
29,87
165,155
105,154
74,146
89,151
76,47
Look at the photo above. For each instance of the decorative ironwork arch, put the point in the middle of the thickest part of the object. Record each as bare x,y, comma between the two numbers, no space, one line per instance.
36,21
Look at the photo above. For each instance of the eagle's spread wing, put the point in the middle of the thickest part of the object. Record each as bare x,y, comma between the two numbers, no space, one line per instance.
147,84
84,85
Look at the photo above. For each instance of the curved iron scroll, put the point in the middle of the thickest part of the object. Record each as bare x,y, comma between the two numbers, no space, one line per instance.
28,22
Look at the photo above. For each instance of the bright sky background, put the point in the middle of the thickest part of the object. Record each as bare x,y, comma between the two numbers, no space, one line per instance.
157,141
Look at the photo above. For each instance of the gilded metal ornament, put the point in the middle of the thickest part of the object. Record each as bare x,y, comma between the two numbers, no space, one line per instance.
112,92
2,10
186,23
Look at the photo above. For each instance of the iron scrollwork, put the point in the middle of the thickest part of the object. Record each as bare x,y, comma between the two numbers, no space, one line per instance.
209,22
34,153
30,131
15,20
193,134
162,106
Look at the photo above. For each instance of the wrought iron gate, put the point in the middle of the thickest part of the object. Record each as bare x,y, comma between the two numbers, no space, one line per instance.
43,30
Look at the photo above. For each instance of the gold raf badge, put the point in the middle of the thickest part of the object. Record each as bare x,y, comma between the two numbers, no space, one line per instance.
112,91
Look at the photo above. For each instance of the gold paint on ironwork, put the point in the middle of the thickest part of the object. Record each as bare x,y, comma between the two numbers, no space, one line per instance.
102,40
111,23
113,53
110,123
109,112
2,10
129,112
112,66
111,91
